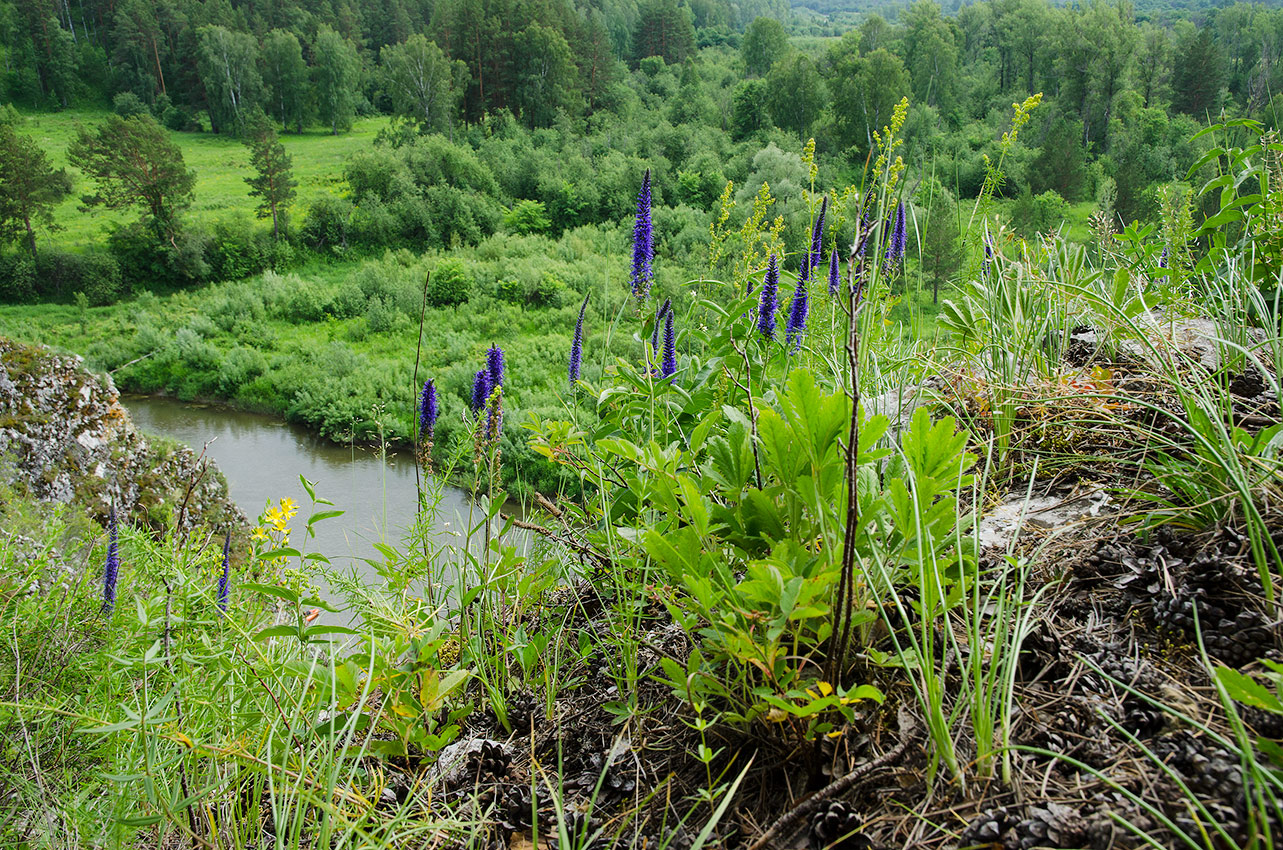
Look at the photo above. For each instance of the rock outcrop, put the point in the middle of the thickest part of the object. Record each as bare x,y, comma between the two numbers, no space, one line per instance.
64,436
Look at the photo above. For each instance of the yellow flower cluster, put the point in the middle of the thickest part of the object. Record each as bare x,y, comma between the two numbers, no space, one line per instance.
273,530
887,141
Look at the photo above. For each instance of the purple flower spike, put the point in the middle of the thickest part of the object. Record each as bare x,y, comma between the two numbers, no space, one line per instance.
835,273
494,365
428,410
1162,260
899,237
796,323
111,570
480,390
659,317
817,234
768,303
643,242
224,581
988,261
577,345
668,367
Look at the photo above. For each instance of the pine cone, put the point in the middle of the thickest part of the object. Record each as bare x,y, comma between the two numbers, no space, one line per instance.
836,826
1223,594
581,829
1141,718
516,810
992,828
616,784
523,711
1049,825
490,759
1052,825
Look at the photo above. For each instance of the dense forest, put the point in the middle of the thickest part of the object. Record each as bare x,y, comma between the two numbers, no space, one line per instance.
698,92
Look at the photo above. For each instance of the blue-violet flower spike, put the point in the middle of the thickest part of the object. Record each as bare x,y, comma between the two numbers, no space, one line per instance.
577,345
428,410
768,302
494,365
111,571
899,237
796,323
643,242
480,390
668,367
224,581
659,317
817,234
835,273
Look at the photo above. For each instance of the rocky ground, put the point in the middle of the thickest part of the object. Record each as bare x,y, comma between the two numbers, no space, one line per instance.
64,436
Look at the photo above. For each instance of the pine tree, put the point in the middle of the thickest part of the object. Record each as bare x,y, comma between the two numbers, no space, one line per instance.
274,182
29,188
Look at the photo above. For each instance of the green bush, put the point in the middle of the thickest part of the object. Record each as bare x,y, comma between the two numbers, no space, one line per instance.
17,279
526,217
326,226
306,302
349,302
450,284
547,292
239,366
127,105
511,291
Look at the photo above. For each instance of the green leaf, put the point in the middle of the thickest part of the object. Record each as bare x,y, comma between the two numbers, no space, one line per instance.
270,590
278,553
1243,688
329,630
320,515
276,631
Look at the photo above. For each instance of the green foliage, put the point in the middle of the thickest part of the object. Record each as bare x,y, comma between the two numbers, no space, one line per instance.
426,87
450,284
274,185
134,164
526,217
126,104
29,189
336,71
764,42
1032,215
227,62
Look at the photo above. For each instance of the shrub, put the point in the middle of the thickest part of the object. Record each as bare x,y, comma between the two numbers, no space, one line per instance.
349,302
239,366
17,279
512,291
237,250
306,302
327,223
450,284
526,217
547,292
127,105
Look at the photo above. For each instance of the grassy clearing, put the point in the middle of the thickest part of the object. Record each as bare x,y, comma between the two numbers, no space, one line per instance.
220,163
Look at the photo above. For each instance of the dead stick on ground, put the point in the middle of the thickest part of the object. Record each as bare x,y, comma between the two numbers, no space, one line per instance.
786,823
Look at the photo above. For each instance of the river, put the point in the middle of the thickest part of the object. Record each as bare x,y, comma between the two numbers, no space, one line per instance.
263,458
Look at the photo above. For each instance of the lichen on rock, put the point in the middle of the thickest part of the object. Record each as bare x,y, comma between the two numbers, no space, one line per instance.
64,436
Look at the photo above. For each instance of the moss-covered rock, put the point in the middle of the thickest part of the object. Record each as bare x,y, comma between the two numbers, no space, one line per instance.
64,436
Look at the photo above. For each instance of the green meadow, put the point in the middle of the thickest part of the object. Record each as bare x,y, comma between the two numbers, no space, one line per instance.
221,164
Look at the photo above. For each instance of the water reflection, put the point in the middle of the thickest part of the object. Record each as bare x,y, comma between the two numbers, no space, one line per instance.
263,457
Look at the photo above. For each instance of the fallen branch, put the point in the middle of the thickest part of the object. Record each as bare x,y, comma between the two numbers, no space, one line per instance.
808,806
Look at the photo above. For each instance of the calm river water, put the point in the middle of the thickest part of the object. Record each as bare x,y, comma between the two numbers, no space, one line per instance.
263,458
